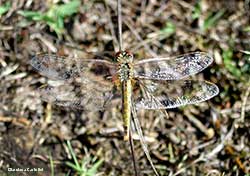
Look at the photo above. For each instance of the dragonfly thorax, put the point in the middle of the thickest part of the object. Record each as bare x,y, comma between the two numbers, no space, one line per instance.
125,71
124,60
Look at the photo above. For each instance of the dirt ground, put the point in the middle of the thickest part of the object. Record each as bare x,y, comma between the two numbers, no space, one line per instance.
210,138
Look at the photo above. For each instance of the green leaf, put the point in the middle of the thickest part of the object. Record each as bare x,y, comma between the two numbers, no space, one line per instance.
89,165
73,166
36,16
68,9
94,168
211,20
53,25
4,8
169,29
54,17
197,10
60,23
230,65
246,29
72,154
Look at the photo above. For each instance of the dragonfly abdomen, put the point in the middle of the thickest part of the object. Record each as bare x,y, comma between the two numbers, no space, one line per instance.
126,106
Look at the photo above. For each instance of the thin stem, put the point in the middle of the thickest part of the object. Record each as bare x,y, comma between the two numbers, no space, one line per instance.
119,11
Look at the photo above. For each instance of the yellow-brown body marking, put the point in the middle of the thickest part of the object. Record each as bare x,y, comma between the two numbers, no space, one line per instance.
125,75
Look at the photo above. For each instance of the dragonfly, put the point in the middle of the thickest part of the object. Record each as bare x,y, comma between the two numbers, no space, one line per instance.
153,83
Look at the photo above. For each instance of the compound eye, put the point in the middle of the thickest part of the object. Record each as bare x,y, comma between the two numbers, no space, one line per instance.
119,54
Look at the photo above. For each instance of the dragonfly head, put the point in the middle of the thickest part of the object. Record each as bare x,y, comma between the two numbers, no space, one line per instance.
124,57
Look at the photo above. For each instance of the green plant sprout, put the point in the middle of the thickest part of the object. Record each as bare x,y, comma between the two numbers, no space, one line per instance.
230,65
4,8
212,20
246,29
197,10
88,166
168,30
55,16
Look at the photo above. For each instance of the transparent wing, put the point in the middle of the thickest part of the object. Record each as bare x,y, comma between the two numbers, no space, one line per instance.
172,68
89,96
83,84
63,68
159,94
